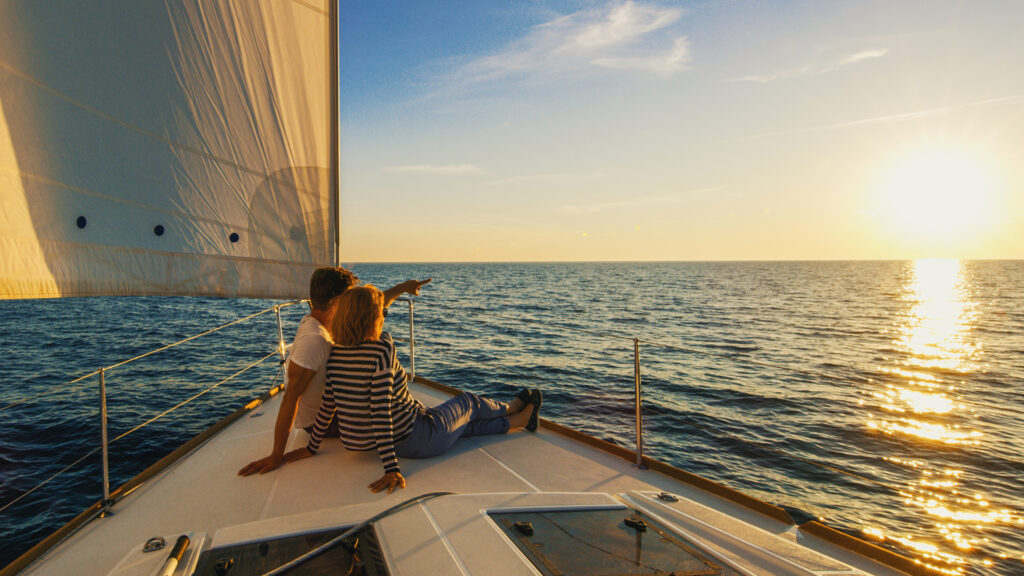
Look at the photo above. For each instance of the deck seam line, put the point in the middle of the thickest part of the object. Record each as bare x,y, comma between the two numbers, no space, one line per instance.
511,471
444,540
270,497
277,478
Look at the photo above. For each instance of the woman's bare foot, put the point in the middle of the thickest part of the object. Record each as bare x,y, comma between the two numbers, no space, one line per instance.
521,418
518,404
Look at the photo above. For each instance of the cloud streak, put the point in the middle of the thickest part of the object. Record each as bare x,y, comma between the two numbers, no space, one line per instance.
816,69
890,118
619,35
635,202
432,170
562,178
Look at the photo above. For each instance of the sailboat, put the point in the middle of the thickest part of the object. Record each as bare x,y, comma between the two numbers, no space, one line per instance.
191,148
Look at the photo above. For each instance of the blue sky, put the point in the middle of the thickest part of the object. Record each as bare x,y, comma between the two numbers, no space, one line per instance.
476,131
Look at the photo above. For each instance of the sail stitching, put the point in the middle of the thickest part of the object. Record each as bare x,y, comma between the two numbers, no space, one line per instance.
129,249
136,204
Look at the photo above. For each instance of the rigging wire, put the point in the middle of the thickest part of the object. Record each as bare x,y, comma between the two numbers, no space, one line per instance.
61,387
720,433
811,373
735,357
143,425
168,411
47,481
765,447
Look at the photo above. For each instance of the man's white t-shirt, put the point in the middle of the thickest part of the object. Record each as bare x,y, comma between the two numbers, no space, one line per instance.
310,350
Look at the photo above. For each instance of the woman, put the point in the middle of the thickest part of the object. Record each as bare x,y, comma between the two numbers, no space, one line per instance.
366,388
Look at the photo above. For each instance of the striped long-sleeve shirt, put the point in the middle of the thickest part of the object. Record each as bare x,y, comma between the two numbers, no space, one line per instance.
366,389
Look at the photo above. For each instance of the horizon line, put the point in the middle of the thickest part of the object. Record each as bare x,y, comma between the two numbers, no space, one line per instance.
668,261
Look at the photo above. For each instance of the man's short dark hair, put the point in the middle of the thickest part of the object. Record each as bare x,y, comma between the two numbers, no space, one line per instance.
326,283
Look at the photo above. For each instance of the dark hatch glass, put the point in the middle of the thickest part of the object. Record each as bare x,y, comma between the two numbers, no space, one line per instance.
358,555
605,543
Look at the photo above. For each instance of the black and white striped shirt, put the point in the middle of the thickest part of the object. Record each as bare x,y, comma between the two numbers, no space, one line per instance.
366,388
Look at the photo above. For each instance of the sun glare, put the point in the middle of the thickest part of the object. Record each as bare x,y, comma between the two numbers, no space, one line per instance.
939,196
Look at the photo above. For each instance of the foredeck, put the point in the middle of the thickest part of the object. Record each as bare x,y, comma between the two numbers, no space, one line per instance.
202,495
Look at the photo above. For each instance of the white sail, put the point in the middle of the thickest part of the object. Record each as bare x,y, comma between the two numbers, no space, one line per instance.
165,148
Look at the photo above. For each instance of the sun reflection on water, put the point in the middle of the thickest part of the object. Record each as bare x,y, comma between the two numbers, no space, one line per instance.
922,404
934,342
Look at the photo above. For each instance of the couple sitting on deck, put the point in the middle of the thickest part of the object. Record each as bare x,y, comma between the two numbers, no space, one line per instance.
343,378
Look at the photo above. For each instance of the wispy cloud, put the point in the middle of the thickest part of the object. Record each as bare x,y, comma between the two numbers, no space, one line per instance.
634,202
890,118
559,178
620,35
816,69
664,64
428,169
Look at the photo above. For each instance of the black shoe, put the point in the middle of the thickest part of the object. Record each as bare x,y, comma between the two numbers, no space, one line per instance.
524,396
536,398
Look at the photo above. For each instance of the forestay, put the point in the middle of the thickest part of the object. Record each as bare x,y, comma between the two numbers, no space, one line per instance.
179,148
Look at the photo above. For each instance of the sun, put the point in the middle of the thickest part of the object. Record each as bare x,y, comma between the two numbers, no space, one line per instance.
939,196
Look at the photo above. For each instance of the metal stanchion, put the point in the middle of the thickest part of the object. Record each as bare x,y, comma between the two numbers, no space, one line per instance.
280,334
103,442
412,346
639,407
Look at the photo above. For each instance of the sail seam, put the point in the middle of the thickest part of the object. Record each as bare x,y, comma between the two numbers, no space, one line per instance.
138,129
135,204
134,250
316,9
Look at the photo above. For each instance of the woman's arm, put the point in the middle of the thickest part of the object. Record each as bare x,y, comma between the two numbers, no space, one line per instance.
381,418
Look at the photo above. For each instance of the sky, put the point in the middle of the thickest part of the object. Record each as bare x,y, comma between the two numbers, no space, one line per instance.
532,130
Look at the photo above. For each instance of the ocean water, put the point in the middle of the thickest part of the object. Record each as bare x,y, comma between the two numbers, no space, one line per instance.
883,397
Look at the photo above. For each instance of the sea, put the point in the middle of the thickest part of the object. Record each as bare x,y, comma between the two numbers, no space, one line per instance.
885,398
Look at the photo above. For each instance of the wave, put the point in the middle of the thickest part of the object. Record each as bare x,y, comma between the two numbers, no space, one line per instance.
790,357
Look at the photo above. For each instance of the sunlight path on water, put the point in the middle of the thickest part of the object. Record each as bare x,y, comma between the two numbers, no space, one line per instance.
923,408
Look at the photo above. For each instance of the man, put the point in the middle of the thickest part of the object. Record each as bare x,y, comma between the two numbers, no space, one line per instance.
306,366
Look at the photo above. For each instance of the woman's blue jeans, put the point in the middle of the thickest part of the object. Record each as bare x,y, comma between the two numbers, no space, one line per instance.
467,414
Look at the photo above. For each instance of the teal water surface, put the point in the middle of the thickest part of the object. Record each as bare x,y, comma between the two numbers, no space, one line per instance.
883,397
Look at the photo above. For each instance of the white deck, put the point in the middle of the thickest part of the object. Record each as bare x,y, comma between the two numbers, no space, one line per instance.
202,496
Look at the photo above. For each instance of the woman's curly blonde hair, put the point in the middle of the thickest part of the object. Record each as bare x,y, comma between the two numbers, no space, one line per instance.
358,316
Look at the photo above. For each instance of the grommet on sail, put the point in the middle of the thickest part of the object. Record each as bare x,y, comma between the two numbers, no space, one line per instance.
179,148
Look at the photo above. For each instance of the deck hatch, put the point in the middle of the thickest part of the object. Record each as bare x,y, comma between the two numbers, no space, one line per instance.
358,555
605,543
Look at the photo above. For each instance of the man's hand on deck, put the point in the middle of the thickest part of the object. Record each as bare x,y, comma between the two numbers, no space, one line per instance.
263,465
297,454
389,481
